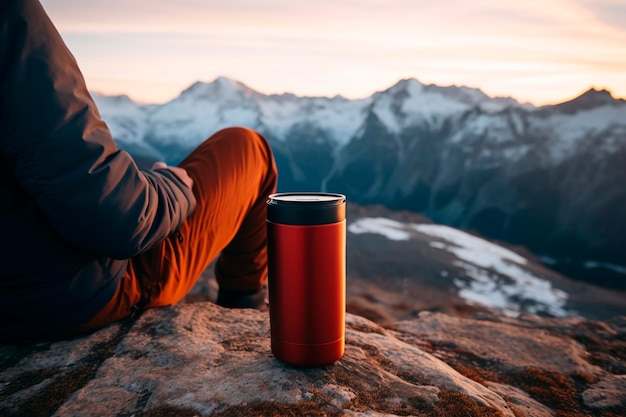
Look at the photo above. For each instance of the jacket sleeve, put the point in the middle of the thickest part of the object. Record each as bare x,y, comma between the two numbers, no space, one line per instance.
63,154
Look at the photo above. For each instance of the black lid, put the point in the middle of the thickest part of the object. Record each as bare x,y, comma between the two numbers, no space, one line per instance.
306,208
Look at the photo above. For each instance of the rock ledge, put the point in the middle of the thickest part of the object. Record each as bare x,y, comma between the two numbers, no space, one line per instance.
202,360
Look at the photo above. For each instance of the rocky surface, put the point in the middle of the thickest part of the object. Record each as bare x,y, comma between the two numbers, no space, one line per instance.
197,359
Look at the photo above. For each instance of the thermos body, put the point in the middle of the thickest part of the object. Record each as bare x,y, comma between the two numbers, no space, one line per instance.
306,235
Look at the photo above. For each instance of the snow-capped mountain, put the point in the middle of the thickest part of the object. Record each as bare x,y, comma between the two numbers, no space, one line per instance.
550,178
204,108
486,274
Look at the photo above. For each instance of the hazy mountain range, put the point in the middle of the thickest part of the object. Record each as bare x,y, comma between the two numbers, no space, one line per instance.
549,178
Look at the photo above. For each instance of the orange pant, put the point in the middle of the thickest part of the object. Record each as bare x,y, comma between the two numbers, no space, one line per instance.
233,173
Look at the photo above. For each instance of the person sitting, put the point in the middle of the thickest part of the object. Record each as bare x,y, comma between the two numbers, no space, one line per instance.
86,237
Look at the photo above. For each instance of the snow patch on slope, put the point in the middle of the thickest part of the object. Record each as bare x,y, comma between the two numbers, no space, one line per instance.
494,276
339,117
126,120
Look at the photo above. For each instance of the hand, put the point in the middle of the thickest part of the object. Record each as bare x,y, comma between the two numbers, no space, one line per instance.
181,173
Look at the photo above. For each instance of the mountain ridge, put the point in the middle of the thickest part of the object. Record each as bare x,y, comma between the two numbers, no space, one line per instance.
243,85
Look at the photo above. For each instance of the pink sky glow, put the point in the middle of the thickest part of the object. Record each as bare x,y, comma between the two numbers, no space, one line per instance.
537,51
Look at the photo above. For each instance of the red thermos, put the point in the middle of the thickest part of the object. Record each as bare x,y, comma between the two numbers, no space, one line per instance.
306,247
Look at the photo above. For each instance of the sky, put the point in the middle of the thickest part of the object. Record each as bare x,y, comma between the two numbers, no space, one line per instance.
537,51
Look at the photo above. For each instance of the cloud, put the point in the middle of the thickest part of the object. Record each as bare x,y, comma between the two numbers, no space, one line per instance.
611,12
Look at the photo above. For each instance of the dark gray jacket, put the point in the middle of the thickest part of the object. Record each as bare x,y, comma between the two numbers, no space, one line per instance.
73,208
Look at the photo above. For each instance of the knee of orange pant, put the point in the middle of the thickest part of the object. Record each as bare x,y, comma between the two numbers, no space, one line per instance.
244,136
239,133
